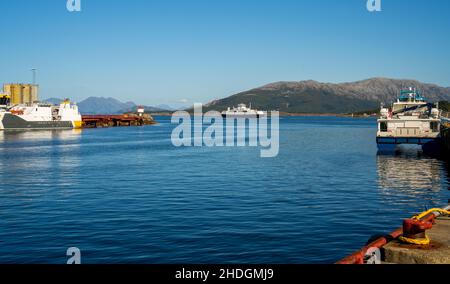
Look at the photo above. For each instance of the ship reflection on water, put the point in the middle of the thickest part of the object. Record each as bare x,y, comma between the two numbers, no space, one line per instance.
31,159
68,134
409,175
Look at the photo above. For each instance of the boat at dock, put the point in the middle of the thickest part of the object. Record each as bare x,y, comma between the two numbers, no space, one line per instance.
243,111
410,120
39,116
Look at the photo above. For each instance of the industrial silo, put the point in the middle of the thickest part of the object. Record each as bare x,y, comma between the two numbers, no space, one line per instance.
22,93
34,93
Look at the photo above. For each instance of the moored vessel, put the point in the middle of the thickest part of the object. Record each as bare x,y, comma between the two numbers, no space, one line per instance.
40,116
410,120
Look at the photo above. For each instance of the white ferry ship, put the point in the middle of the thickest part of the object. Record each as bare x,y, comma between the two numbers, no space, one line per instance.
243,111
410,120
38,116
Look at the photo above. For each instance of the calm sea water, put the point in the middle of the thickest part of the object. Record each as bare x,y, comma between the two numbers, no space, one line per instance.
126,195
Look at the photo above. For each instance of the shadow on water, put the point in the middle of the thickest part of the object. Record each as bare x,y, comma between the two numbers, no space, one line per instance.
447,171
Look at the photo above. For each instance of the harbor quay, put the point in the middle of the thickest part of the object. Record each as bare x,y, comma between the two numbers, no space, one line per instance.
423,239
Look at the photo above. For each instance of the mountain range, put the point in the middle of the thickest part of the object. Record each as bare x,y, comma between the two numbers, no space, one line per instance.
292,97
316,97
100,105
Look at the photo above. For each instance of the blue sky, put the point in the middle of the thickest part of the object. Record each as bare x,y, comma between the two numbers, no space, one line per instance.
165,52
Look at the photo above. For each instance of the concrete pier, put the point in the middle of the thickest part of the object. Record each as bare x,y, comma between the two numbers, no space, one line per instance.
389,249
438,252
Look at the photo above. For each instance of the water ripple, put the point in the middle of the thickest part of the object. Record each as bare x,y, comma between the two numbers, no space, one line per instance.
126,195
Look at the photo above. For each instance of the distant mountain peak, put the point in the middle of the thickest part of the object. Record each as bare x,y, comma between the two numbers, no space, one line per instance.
106,105
102,105
53,101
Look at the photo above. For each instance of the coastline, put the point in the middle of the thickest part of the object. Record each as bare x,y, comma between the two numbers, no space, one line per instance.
286,114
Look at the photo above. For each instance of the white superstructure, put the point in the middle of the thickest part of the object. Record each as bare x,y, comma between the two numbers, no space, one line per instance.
410,120
242,111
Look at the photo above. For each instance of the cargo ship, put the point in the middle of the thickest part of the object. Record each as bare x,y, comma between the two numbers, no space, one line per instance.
38,115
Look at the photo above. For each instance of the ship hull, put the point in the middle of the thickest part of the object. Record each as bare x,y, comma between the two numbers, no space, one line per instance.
233,116
14,122
429,146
